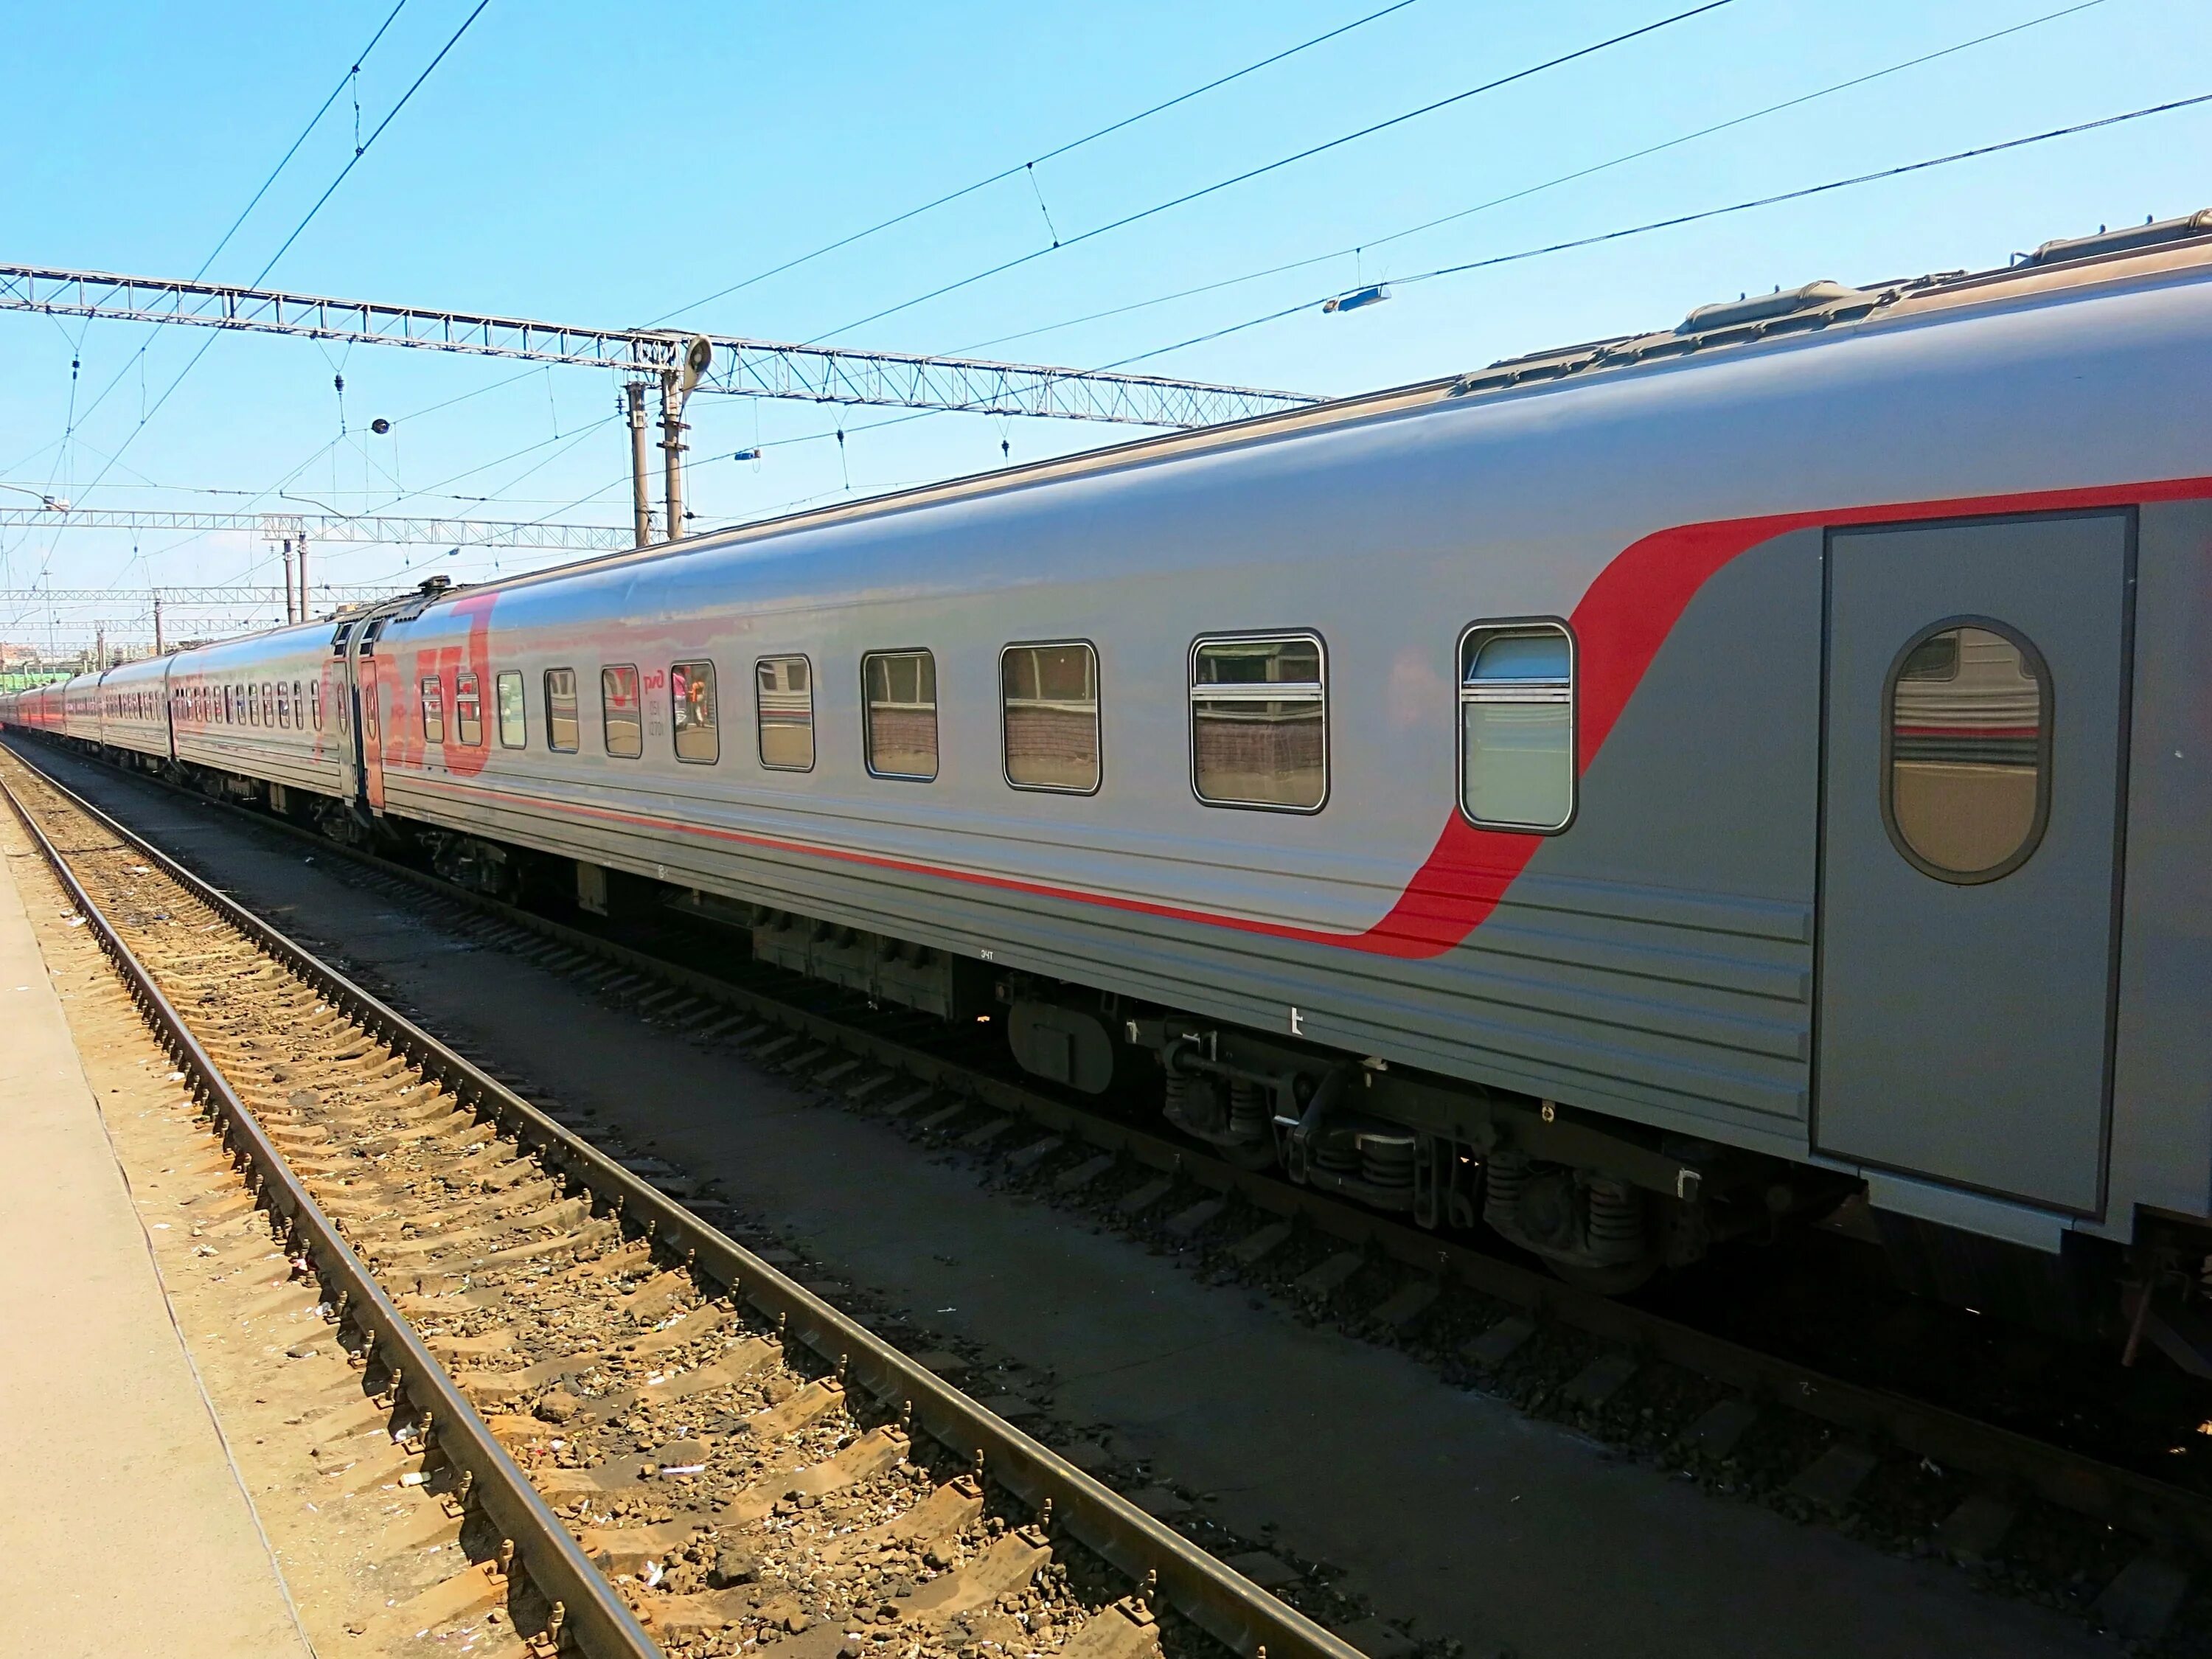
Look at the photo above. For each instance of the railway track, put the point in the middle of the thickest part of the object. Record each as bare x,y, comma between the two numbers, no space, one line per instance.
1990,1479
672,1447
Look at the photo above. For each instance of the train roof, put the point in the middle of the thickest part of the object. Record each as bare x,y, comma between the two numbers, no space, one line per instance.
2152,250
2133,252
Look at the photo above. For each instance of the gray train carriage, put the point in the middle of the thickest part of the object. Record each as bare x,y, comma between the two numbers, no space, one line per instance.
1657,777
134,711
263,716
1621,798
80,708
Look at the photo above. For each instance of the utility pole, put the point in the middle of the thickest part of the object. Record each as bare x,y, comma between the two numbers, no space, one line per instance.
290,596
158,650
640,495
671,447
303,575
693,358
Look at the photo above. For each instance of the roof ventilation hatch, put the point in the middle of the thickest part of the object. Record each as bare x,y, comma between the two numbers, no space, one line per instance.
1760,307
2126,240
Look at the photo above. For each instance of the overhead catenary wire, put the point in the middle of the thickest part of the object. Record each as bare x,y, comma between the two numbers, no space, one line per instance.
1595,238
1525,192
1563,246
1675,221
1029,166
1622,233
313,121
352,161
1282,162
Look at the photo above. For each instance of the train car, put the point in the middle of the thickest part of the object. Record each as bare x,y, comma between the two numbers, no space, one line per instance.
80,712
1622,798
26,710
261,709
134,710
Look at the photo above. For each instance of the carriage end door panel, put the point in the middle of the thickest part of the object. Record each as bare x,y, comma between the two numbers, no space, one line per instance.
1976,713
369,723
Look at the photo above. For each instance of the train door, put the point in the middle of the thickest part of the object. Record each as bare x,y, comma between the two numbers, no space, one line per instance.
367,721
1976,726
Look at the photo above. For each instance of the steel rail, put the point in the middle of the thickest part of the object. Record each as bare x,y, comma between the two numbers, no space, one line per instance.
1219,1599
2150,1508
588,1605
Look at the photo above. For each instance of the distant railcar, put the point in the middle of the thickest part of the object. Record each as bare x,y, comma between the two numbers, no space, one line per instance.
1620,798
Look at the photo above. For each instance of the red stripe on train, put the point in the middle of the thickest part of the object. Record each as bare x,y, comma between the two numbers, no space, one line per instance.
1623,619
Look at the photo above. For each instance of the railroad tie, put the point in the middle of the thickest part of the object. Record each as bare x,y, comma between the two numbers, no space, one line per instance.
1832,1480
1122,1630
732,1365
874,1453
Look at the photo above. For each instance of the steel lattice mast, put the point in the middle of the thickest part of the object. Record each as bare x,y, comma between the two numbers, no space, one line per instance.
741,367
330,527
248,597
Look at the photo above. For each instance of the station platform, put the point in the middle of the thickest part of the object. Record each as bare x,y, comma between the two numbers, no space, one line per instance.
125,1528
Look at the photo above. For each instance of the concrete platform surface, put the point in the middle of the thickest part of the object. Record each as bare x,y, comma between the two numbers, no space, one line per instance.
123,1528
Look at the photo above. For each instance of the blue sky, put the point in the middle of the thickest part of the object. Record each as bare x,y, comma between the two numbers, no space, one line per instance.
602,164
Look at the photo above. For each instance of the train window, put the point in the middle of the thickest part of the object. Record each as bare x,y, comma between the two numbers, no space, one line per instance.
284,705
1966,773
1259,722
622,724
299,706
316,706
1517,726
434,708
513,724
468,711
268,703
899,689
1048,707
783,688
691,706
561,710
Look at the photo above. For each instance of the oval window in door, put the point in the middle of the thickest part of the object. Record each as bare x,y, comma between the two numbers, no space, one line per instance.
1967,779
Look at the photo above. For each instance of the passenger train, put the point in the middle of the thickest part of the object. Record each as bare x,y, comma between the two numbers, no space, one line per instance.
1626,798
